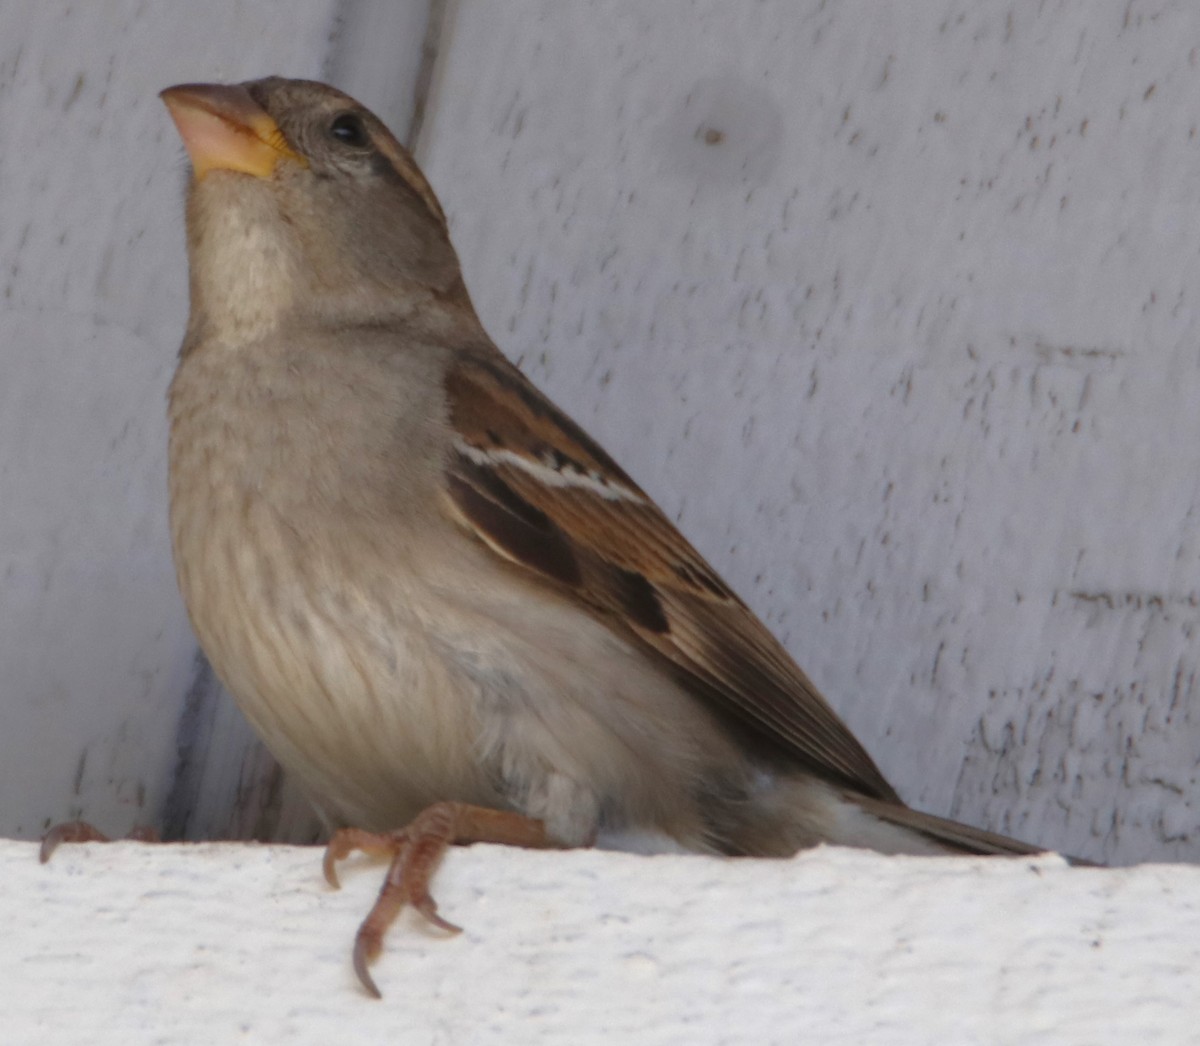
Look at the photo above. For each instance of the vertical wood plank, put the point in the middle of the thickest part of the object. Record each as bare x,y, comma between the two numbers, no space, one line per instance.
892,306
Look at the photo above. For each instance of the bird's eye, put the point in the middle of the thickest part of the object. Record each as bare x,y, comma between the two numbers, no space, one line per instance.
349,130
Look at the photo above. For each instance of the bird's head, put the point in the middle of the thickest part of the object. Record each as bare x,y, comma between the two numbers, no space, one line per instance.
303,205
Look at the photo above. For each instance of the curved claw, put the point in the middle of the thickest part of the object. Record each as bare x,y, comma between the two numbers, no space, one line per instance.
329,866
364,951
416,852
345,841
428,908
69,832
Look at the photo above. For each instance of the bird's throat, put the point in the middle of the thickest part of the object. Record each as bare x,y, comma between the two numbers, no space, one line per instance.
242,265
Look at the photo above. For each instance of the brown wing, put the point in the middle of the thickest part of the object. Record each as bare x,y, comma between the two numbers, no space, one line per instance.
540,492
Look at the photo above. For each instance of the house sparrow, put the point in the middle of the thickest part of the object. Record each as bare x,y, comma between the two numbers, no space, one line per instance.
443,606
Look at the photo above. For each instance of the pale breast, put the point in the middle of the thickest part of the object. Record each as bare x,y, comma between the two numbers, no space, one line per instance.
385,657
301,597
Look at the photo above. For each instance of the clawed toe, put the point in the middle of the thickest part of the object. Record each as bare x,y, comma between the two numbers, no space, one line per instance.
82,832
69,832
346,841
416,852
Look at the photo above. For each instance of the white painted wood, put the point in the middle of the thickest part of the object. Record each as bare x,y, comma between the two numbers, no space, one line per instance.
224,943
893,306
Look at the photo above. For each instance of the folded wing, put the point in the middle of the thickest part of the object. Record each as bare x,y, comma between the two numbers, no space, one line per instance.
541,493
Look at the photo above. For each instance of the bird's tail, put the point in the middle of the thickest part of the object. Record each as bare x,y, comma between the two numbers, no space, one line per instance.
951,835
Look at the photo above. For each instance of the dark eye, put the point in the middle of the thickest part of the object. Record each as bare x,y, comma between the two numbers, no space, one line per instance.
349,130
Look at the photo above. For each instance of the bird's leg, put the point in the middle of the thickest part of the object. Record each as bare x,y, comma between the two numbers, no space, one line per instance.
82,832
416,851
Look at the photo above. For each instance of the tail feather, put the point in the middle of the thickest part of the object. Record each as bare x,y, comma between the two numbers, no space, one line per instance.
953,834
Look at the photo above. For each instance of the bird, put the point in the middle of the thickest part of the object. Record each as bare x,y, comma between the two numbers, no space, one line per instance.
447,610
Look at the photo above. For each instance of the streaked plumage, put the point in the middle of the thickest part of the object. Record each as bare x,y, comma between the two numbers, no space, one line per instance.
419,578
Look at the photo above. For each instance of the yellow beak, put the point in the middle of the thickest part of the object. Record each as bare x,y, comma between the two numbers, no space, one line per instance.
224,129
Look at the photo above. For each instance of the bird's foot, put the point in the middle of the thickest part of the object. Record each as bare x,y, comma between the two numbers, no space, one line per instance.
416,851
82,832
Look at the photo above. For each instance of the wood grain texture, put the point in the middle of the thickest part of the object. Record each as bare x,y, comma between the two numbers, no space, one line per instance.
891,307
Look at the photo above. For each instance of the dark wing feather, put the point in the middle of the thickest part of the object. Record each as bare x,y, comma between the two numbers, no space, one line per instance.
539,491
